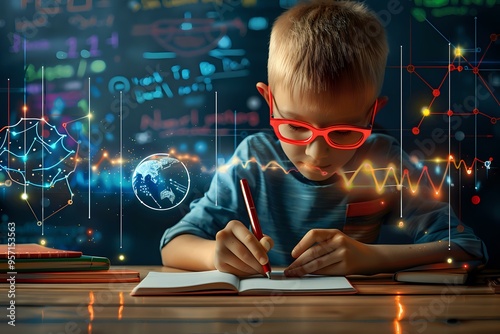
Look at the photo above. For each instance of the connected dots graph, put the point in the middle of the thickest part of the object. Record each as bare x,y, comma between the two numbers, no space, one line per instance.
459,63
39,157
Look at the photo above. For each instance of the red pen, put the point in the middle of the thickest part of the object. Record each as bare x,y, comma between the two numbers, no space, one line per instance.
254,220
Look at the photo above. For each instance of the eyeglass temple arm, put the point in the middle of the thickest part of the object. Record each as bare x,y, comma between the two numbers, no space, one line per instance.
375,111
270,102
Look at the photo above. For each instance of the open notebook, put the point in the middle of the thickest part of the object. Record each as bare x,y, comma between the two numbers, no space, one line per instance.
216,282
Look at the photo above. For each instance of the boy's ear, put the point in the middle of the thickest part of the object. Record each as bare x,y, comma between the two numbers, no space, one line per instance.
263,90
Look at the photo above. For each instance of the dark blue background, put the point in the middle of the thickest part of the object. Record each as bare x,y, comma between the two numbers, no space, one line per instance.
222,48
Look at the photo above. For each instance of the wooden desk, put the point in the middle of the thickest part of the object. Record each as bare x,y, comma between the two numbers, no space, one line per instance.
380,307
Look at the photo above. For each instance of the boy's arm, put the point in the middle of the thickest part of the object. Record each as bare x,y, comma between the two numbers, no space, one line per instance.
331,252
392,258
189,252
235,250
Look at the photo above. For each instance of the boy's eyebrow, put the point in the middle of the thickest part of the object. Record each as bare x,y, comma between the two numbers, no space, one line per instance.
297,115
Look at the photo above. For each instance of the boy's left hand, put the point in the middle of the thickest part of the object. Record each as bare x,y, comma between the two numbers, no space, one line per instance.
331,252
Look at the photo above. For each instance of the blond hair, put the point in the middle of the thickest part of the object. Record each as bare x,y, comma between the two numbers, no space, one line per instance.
325,45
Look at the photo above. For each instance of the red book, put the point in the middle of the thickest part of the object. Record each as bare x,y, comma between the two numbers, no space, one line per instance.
97,276
35,251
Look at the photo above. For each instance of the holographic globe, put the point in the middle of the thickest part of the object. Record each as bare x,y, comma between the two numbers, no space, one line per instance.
161,182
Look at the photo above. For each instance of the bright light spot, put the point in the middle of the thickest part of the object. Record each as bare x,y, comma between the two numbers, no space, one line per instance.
121,257
24,196
85,54
258,23
469,171
476,199
186,26
458,52
438,160
450,260
43,242
450,157
89,115
97,66
426,111
401,224
25,108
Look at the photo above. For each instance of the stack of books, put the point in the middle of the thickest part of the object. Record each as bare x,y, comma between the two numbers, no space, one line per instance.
33,263
440,273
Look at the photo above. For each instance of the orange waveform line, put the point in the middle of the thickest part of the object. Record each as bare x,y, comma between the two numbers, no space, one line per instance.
391,173
105,156
270,165
184,157
379,186
425,171
467,168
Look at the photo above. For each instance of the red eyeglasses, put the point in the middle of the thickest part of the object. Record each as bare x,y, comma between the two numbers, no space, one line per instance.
342,136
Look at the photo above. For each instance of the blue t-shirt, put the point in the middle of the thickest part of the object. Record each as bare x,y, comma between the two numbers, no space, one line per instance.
362,201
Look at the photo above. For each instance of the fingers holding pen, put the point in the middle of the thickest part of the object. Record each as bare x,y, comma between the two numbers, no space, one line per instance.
238,251
267,243
230,263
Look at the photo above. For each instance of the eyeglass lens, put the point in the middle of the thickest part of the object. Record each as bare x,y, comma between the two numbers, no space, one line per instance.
296,132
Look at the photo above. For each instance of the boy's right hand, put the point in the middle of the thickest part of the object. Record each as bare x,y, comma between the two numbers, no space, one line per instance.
237,250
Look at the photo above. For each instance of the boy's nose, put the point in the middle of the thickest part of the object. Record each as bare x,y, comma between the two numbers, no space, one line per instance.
318,148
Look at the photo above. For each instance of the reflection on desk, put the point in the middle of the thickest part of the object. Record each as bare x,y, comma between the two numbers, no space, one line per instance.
394,307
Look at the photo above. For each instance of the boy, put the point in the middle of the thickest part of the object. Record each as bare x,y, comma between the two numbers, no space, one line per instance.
319,210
